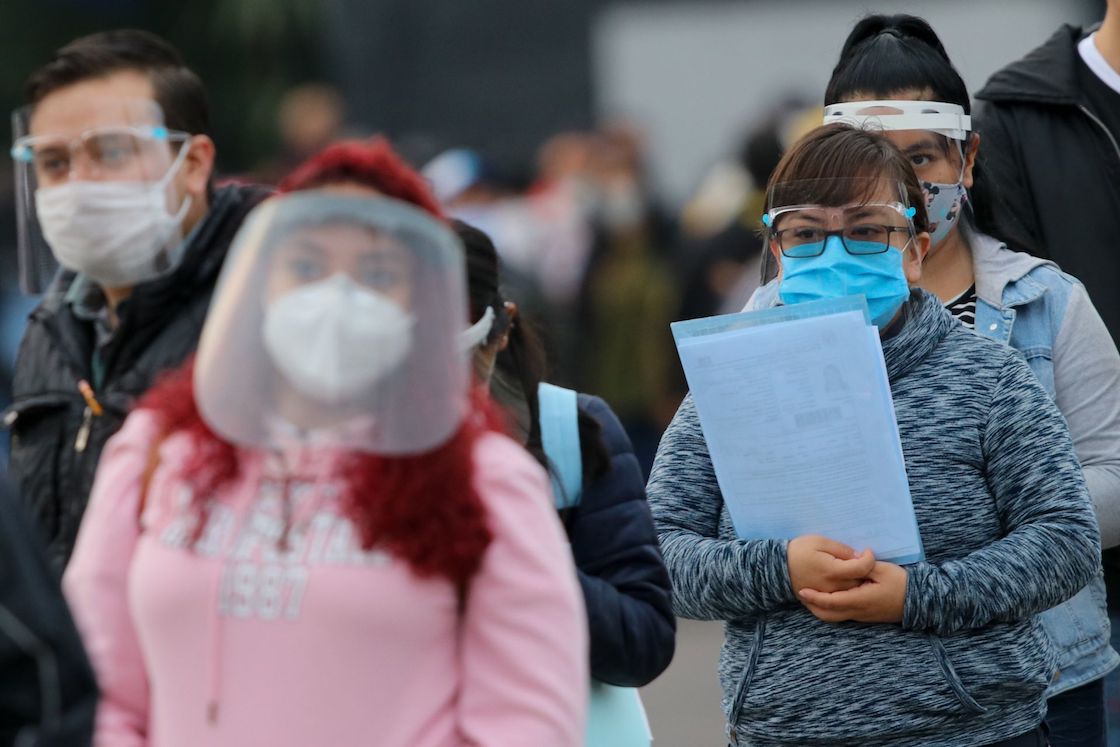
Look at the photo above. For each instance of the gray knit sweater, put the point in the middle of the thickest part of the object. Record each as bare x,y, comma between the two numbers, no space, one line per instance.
1008,531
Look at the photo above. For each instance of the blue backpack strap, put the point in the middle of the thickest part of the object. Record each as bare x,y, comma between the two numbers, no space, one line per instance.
559,420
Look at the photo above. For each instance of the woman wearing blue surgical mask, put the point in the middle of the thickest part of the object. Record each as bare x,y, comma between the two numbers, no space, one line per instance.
826,645
894,75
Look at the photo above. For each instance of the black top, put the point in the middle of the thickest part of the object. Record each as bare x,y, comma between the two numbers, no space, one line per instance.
626,587
1056,171
1102,100
963,307
48,695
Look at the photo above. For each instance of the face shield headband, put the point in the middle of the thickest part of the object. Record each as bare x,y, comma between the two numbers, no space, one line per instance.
889,115
944,200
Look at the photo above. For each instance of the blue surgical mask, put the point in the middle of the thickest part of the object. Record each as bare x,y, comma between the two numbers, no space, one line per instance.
877,277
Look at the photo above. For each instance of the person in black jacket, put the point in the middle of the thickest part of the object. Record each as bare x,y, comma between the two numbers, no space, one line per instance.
48,696
116,125
1050,124
625,584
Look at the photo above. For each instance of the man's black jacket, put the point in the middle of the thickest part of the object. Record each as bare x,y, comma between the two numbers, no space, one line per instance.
48,696
1055,166
56,437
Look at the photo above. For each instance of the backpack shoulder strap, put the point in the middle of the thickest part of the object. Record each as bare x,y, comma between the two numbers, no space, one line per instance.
559,420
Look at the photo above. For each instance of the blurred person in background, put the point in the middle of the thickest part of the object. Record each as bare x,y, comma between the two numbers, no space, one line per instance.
15,305
629,295
543,231
625,585
723,267
314,534
472,188
309,117
48,696
895,75
115,171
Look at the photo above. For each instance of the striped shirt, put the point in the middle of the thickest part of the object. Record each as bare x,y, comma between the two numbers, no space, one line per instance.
963,307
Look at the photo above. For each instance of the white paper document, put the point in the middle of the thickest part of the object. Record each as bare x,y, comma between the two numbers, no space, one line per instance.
796,409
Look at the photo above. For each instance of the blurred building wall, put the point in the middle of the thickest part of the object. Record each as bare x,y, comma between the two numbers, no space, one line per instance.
494,75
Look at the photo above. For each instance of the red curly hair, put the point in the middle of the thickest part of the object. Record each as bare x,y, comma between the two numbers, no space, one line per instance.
371,163
422,508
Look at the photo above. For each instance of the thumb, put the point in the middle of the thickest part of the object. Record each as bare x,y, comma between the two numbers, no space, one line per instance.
865,563
838,550
860,566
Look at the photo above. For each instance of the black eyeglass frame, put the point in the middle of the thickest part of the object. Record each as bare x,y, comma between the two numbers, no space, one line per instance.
777,236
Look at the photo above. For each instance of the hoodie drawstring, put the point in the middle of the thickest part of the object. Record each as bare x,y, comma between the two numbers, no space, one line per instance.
216,623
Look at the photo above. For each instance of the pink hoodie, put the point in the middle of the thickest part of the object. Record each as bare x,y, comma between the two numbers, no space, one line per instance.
242,642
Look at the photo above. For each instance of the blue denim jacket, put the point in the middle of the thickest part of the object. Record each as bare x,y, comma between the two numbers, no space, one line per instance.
1022,301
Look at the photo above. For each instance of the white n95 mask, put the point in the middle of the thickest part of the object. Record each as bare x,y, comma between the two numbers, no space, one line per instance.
333,340
117,233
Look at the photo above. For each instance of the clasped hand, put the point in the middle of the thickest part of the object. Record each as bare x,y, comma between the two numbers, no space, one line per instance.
837,584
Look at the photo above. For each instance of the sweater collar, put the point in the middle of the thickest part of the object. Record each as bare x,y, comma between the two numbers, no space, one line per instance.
925,325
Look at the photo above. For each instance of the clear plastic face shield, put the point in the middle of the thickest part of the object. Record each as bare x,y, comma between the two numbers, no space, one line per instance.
934,135
337,322
869,216
94,193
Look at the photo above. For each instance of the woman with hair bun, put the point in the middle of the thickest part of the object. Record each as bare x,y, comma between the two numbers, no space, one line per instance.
894,75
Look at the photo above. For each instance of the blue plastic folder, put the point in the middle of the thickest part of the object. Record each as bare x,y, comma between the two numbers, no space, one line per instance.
796,409
616,718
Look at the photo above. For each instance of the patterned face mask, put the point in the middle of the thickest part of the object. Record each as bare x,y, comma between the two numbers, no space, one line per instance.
943,205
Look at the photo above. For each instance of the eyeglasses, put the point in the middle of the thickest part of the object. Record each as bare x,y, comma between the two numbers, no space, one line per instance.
803,231
106,151
861,239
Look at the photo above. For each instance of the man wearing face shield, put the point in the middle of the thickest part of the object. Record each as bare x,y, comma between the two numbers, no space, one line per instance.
124,232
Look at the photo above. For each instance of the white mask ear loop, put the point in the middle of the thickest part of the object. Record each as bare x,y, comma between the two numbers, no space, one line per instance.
964,160
473,335
171,172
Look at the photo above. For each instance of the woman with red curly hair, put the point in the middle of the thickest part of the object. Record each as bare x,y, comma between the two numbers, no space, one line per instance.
315,533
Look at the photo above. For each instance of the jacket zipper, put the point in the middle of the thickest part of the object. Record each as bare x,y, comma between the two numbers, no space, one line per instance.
1103,126
93,410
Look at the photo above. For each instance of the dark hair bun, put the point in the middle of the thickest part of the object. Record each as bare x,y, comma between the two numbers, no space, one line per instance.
900,26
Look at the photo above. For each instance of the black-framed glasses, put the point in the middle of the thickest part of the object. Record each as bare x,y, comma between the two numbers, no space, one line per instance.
802,242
